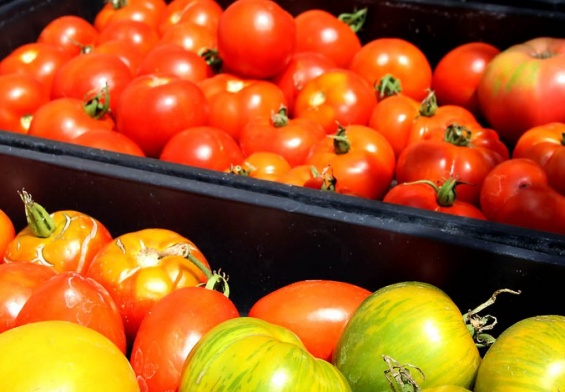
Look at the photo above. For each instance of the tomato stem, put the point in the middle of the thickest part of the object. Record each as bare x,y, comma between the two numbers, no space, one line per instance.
280,119
99,105
399,376
457,135
218,282
388,86
40,221
354,20
117,4
445,194
213,59
429,105
342,145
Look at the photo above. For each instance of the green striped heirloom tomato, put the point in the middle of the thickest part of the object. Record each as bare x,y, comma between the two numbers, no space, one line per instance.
250,354
527,356
415,323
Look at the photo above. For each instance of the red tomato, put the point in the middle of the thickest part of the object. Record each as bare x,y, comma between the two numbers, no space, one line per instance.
173,59
170,330
125,51
523,87
109,141
70,33
204,13
456,76
37,59
191,36
428,195
545,144
21,95
234,101
69,296
256,38
336,97
319,31
397,57
298,175
153,108
290,138
146,11
361,160
205,147
516,192
138,34
17,283
316,310
263,165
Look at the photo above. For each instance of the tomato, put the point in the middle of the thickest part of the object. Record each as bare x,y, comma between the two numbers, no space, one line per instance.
464,154
205,147
545,144
154,107
234,101
204,13
527,356
263,165
72,297
149,12
139,268
316,310
125,51
247,353
298,175
37,59
71,33
523,87
361,160
170,330
65,240
60,355
320,31
191,36
138,34
290,138
517,192
7,232
397,57
336,97
256,38
21,96
415,323
17,282
108,141
433,197
456,76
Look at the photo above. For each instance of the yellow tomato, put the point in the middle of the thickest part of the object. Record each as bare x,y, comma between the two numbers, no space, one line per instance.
62,356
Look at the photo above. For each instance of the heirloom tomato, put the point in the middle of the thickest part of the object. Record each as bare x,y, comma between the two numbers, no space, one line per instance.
69,296
70,33
62,356
139,268
517,192
251,354
204,13
149,12
528,356
397,57
457,74
545,144
65,240
256,38
336,97
138,34
17,282
108,141
524,86
415,323
361,160
170,330
315,310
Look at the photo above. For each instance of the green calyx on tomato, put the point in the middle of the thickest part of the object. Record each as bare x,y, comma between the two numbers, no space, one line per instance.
280,118
342,145
429,105
457,135
388,86
446,193
40,221
118,4
323,181
99,105
212,58
355,20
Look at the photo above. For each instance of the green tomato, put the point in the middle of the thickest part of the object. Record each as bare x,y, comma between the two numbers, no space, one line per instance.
418,325
249,354
527,356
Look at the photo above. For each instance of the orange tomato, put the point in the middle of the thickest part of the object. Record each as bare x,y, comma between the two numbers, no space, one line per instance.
7,233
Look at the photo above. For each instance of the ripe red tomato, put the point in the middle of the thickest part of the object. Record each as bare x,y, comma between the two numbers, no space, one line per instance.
320,31
523,87
170,330
153,108
399,58
139,34
456,76
21,95
545,144
316,310
17,283
191,36
204,13
109,141
125,51
149,12
205,147
336,97
69,296
256,38
298,175
70,33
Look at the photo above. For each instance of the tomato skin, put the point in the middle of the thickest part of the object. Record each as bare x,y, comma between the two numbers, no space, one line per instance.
457,74
397,321
72,297
138,34
527,356
247,353
125,51
109,141
170,330
204,13
7,233
191,36
316,310
71,33
544,144
397,57
256,38
149,12
523,87
265,165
